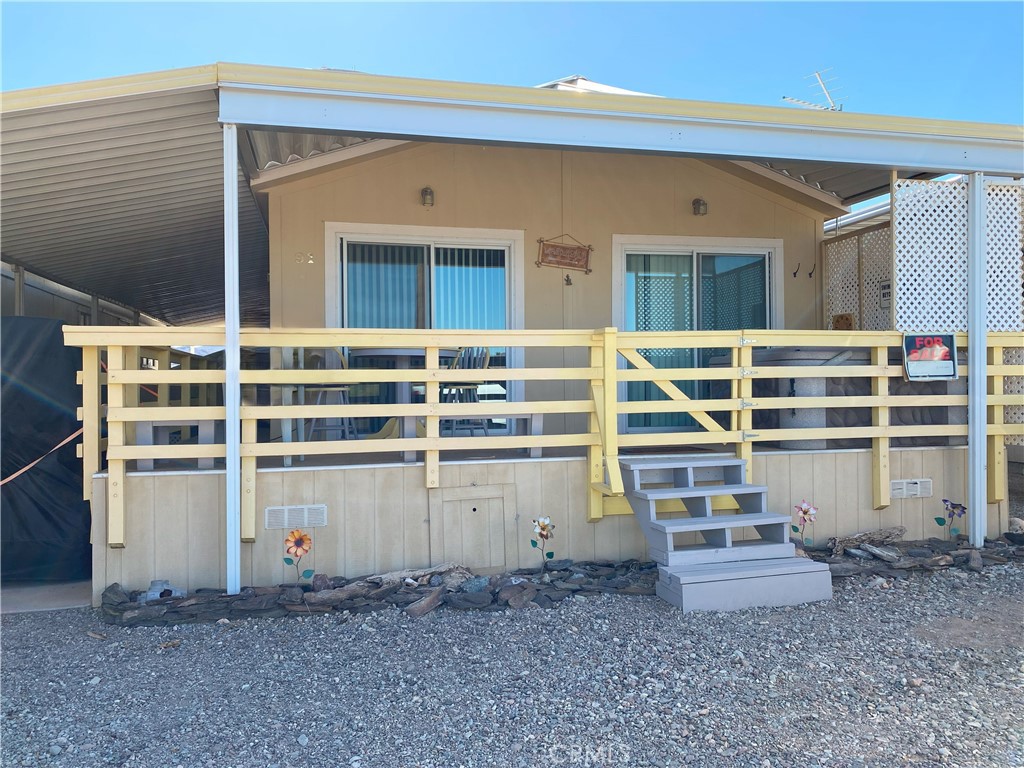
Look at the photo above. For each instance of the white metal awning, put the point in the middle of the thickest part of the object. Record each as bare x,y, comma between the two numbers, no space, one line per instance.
114,187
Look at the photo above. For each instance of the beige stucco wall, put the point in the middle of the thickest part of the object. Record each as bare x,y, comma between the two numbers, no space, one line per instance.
545,193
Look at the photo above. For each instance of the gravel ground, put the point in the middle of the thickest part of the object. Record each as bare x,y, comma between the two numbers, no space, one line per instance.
927,671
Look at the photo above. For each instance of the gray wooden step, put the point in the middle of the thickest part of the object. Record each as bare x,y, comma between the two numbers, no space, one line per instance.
754,569
678,462
733,586
718,522
652,494
696,554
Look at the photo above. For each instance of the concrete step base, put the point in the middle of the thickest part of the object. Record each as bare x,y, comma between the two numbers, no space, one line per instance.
734,586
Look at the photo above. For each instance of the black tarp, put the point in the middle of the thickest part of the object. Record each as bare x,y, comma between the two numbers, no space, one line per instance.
44,523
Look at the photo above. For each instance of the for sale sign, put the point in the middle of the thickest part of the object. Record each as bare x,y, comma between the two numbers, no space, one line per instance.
929,356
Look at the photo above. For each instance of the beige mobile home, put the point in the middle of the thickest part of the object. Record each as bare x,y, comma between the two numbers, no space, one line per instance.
443,309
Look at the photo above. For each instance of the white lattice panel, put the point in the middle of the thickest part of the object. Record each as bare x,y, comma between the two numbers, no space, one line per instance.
842,294
1005,280
876,268
1014,385
929,230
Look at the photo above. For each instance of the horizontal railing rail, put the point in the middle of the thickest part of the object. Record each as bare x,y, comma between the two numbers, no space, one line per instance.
732,403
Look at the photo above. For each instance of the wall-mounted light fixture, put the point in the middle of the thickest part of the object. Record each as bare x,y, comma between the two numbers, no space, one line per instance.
700,206
427,197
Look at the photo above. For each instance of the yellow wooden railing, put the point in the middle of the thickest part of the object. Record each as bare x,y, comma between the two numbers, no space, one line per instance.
591,392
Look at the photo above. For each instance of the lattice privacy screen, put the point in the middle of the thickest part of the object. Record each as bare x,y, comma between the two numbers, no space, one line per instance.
856,265
1005,238
842,277
876,268
929,230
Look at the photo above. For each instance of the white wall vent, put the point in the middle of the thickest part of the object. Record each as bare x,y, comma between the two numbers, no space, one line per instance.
295,516
921,488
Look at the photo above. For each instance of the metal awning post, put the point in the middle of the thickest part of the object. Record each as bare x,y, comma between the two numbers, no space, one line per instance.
977,369
232,364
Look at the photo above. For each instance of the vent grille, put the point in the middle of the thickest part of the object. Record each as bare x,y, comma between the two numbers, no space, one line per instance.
920,488
295,516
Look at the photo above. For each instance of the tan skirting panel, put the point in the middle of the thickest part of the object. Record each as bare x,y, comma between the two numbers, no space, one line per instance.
383,518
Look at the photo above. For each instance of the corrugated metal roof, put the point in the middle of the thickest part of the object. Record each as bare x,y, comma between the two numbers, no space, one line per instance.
123,198
273,149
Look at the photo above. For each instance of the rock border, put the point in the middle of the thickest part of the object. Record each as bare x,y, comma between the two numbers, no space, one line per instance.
895,559
417,593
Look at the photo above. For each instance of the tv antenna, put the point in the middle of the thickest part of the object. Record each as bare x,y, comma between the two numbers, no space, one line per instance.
822,83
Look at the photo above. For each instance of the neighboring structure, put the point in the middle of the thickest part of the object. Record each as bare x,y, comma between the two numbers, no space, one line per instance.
387,223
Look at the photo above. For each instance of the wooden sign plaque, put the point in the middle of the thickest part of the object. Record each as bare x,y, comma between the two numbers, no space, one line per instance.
564,255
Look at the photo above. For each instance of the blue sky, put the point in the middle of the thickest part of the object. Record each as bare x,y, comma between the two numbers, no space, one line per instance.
945,60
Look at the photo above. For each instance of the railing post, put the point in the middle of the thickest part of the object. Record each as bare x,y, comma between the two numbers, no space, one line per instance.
115,439
880,487
163,391
595,451
132,398
247,526
996,443
432,396
90,418
743,388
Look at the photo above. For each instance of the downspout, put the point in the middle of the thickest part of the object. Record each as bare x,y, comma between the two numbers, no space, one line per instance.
977,372
232,364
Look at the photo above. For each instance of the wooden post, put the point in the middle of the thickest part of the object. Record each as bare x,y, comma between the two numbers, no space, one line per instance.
743,388
880,487
248,510
163,391
115,439
595,452
996,443
90,418
610,358
432,395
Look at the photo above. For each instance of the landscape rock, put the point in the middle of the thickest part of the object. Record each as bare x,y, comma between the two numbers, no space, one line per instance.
426,604
522,598
974,561
114,595
476,584
322,582
888,554
860,554
845,569
468,600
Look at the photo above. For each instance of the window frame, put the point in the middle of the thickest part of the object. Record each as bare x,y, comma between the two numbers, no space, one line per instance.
513,240
770,247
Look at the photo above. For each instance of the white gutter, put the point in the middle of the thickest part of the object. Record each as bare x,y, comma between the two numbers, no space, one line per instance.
977,351
232,364
836,225
467,119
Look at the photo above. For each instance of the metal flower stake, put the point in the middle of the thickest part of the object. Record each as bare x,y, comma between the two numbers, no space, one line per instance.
298,543
805,514
544,529
954,509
